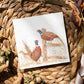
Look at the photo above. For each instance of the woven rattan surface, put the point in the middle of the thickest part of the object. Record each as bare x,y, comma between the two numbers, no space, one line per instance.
56,74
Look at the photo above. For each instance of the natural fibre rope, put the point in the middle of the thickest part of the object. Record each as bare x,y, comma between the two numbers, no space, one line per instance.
57,74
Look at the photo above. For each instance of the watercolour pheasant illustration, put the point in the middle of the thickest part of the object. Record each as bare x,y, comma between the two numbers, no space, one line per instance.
35,55
49,36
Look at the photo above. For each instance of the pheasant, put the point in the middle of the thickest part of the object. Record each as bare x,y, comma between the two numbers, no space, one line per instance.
49,36
35,55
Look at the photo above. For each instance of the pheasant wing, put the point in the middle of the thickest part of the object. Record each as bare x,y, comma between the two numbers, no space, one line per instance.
50,36
35,55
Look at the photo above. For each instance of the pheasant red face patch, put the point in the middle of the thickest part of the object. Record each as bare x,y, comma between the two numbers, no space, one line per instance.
41,40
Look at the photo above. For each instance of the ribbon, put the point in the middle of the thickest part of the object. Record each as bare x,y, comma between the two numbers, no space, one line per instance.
80,73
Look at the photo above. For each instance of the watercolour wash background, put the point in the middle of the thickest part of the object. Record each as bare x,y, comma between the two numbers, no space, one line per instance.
26,29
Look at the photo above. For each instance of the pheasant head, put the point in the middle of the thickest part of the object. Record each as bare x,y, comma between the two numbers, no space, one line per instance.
36,42
40,32
37,46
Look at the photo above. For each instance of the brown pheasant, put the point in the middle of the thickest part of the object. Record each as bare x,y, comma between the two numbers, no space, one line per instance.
35,55
49,36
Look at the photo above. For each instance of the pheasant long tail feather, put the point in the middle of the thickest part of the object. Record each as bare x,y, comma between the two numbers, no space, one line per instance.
23,53
61,41
27,48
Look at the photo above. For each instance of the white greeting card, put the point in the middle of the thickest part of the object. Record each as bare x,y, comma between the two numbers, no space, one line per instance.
41,40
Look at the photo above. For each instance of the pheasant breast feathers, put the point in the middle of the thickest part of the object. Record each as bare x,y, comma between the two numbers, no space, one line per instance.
35,55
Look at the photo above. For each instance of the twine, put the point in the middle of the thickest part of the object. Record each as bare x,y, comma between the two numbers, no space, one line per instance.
56,74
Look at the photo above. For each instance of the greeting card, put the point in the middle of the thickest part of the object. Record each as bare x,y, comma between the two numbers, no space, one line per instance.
41,40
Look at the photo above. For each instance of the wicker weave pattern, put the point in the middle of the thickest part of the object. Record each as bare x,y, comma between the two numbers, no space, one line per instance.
56,74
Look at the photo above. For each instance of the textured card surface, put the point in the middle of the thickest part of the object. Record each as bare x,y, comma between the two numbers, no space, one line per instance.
41,40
